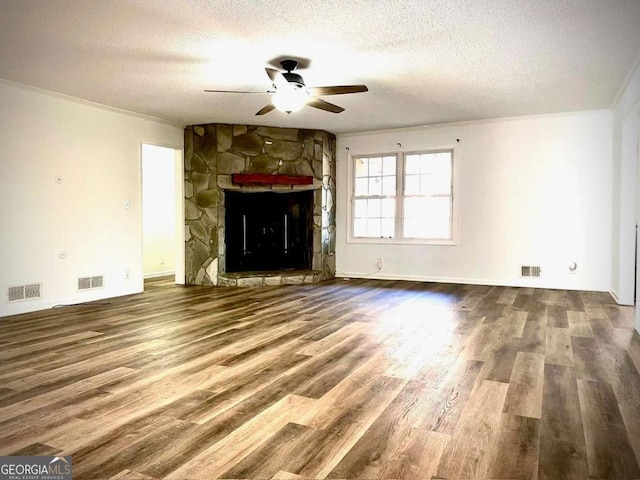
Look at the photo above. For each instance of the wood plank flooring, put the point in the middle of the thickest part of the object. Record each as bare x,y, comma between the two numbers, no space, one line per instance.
345,379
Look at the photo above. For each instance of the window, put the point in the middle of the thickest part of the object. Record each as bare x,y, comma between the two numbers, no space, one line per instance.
427,196
403,197
374,207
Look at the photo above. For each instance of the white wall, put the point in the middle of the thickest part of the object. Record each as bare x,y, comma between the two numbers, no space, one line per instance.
158,210
530,191
96,152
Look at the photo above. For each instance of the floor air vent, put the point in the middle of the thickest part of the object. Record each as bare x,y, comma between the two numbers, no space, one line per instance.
88,283
530,271
25,292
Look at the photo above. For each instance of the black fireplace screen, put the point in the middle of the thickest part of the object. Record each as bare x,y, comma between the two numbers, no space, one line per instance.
268,231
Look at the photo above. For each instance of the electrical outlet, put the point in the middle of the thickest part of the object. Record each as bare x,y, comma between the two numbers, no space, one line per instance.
379,264
162,261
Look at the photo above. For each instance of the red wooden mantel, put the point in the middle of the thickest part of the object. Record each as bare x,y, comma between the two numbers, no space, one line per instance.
264,178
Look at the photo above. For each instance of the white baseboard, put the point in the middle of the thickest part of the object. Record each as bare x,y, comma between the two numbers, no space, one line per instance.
19,308
524,283
614,294
159,274
616,297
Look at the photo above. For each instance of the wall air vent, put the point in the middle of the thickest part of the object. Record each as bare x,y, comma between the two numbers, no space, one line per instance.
530,271
32,291
89,283
16,293
24,292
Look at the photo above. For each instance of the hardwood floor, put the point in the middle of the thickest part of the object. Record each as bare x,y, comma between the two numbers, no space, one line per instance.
344,379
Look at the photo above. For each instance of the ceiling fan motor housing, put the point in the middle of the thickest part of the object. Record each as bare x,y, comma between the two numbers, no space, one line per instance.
294,78
289,66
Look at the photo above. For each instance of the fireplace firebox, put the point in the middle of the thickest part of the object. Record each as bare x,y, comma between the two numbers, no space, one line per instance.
268,231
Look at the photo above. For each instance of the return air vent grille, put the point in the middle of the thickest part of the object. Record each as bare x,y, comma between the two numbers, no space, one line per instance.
88,283
16,293
32,291
25,292
530,271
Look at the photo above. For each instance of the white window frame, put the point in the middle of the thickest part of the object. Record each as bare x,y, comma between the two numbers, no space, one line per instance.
398,238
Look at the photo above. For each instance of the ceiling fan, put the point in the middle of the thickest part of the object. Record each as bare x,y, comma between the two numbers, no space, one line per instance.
290,94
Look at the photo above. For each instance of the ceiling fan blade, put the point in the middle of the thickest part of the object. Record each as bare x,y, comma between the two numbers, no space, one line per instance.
338,90
277,78
322,105
273,73
231,91
266,109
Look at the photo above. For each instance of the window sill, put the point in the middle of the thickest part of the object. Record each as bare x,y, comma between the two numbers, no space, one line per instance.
404,241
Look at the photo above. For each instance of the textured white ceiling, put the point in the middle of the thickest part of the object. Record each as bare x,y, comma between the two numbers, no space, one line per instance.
424,62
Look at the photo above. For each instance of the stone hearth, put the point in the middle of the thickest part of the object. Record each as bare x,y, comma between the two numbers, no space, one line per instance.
213,153
259,279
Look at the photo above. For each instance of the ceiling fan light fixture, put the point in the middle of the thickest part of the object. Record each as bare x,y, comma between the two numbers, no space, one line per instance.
289,93
290,100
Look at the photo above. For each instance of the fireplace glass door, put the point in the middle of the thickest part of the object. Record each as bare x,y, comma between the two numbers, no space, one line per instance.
268,231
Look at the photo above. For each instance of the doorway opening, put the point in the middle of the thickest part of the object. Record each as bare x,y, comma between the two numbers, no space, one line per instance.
162,213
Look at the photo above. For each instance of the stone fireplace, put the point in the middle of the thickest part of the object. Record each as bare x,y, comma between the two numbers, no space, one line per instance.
262,233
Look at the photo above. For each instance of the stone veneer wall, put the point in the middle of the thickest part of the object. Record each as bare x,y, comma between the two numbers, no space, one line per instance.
214,152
